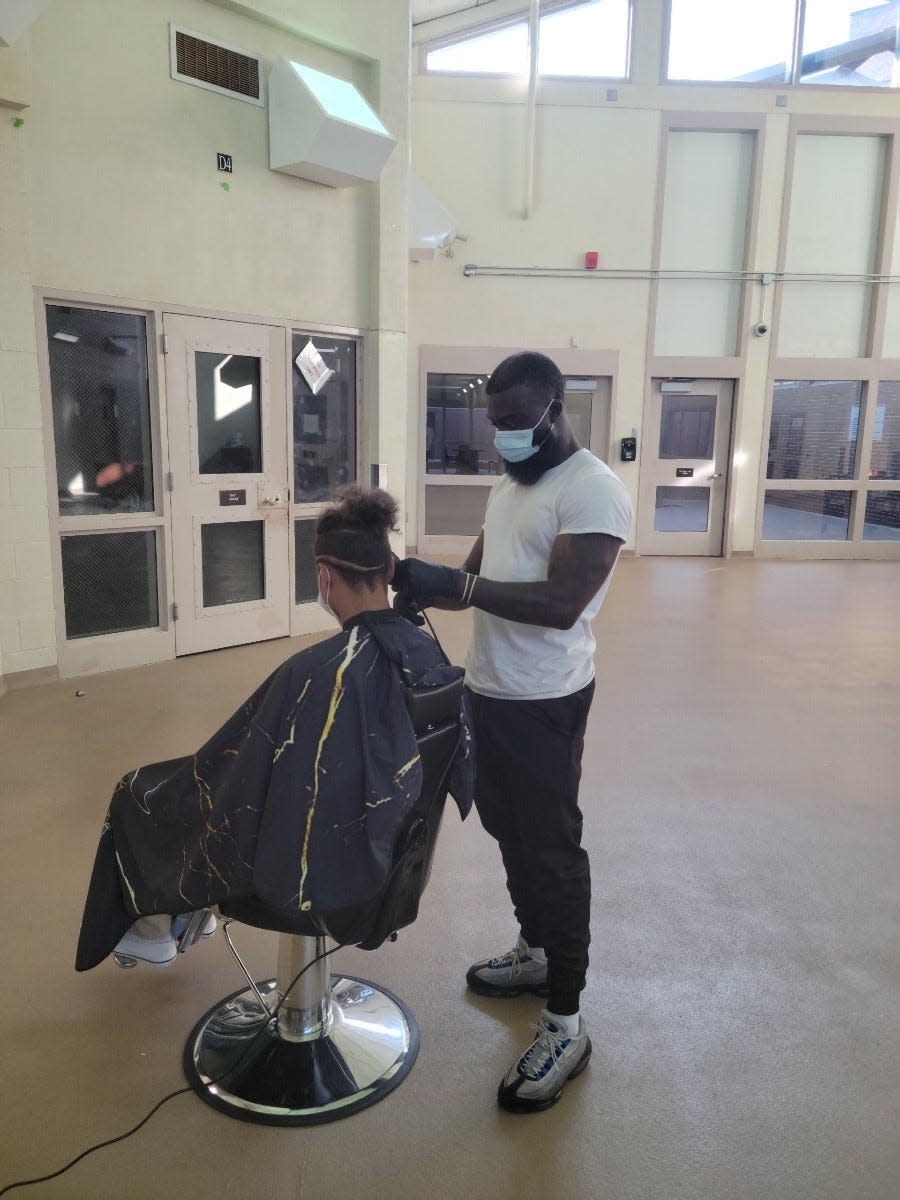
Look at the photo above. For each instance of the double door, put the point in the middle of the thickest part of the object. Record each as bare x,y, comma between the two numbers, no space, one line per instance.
254,450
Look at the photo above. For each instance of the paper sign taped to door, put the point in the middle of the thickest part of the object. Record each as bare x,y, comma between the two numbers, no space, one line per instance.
311,366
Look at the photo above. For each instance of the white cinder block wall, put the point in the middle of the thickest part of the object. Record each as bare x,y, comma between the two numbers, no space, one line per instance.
109,189
27,627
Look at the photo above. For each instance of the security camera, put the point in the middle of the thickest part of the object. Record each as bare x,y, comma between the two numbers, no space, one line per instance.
761,329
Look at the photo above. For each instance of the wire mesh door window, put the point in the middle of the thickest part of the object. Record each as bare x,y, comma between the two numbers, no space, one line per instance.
100,393
100,400
688,427
306,585
324,419
110,582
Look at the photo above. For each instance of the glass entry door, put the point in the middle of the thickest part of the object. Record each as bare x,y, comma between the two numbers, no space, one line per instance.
227,425
684,467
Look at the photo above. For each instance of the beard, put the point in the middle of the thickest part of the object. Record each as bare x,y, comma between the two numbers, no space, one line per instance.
529,471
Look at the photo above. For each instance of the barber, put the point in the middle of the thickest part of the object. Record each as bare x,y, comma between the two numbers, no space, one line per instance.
536,577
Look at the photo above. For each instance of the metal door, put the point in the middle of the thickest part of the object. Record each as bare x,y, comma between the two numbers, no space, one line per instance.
684,467
227,431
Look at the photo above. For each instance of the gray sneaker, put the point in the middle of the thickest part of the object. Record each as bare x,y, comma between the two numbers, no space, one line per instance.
537,1080
510,974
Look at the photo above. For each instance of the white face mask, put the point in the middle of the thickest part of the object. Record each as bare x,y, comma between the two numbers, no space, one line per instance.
323,600
516,445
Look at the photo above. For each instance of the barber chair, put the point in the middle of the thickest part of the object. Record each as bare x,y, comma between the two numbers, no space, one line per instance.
307,1046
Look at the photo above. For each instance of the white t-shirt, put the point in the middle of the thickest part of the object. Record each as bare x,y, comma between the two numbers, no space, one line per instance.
510,660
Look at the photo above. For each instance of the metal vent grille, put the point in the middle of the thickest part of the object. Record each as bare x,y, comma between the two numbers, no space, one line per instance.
219,68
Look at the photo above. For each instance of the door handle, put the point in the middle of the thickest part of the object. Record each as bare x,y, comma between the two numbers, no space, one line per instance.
718,475
273,501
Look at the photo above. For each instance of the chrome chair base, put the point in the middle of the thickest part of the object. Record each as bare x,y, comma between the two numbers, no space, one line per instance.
240,1062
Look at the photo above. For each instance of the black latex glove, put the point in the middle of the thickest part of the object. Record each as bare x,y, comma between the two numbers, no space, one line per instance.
424,582
404,607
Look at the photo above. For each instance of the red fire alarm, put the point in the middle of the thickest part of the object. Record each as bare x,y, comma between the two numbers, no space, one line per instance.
590,260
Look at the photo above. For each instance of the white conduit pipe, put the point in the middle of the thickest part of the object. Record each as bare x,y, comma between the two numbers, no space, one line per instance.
534,27
648,273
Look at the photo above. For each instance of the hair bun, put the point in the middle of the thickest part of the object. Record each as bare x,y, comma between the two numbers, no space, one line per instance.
370,509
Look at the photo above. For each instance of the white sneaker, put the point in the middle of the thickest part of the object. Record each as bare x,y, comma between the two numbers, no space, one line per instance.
157,951
509,974
537,1079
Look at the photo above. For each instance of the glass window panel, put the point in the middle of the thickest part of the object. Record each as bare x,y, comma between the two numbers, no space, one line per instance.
233,562
459,439
851,43
109,582
740,40
324,423
882,516
688,427
100,394
455,510
806,516
590,39
306,587
500,52
813,433
681,510
229,432
885,462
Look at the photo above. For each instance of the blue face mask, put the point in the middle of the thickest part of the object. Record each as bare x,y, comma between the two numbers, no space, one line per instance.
515,445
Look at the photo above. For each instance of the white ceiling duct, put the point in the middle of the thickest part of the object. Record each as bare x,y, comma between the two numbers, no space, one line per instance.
431,226
322,128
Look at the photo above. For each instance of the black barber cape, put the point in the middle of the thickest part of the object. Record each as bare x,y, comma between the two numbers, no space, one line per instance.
296,801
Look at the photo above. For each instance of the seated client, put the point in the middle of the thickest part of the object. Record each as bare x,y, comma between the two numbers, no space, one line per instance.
297,801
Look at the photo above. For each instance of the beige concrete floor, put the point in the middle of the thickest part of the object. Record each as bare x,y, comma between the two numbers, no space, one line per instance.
743,816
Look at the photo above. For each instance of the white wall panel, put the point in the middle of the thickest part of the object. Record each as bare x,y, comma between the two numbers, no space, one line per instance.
832,227
705,211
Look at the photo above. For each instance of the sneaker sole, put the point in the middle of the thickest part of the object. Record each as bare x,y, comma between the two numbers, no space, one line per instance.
514,1104
133,960
498,991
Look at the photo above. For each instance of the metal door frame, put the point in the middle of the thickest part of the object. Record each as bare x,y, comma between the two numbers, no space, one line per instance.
649,460
107,652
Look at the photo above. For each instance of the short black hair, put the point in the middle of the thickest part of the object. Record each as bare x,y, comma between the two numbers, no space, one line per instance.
352,534
528,369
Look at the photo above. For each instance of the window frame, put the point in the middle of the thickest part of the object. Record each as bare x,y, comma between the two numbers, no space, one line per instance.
124,648
794,83
547,8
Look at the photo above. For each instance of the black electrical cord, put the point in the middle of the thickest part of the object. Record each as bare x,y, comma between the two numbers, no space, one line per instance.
171,1096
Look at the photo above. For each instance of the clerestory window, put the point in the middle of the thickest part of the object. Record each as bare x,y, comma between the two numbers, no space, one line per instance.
581,40
844,43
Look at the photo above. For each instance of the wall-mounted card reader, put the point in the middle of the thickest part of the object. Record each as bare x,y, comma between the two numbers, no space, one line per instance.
629,449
